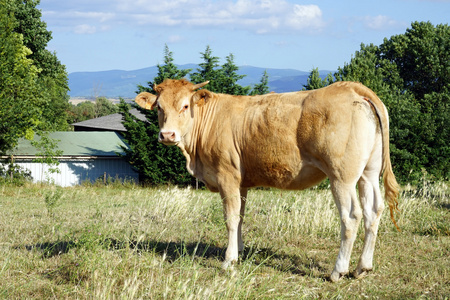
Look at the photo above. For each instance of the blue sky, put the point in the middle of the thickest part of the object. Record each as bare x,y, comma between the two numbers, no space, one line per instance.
98,35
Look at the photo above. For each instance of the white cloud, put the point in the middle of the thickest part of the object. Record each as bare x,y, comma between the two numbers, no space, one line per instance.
380,22
304,16
260,16
85,29
175,39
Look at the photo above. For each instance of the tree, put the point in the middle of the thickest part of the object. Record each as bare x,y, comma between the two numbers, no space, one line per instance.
229,77
262,87
208,71
314,80
47,154
52,78
19,90
33,83
167,71
410,73
423,59
222,79
87,110
156,163
104,107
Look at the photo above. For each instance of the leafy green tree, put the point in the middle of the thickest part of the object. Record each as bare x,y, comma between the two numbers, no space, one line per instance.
104,107
410,73
87,110
81,112
52,78
422,56
19,90
33,83
262,87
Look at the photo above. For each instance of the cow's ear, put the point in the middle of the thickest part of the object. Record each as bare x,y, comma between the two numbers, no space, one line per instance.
157,88
146,100
202,97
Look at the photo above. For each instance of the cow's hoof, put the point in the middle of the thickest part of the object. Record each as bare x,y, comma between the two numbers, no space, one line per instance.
336,276
360,273
228,265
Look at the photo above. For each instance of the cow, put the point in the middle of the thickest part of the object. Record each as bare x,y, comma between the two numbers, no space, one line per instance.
287,141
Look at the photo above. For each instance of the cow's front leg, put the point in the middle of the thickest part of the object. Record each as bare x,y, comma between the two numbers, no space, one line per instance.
231,200
241,218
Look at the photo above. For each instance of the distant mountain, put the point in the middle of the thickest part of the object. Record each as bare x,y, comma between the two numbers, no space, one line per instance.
118,83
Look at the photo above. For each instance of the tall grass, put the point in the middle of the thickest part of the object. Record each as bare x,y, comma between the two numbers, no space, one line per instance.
110,242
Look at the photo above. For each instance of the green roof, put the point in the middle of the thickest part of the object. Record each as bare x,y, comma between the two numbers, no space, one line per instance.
88,143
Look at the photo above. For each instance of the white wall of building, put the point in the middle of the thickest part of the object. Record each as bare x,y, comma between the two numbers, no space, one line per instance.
74,172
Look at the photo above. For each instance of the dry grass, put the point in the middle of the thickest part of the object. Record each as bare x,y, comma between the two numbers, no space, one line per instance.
167,243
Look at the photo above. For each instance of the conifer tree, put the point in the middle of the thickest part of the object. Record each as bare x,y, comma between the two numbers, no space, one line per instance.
262,87
209,70
314,80
167,71
229,78
156,163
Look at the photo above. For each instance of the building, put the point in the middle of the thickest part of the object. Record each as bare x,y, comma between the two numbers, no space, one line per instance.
107,123
86,156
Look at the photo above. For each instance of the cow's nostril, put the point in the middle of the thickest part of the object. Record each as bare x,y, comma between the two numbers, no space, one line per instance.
167,136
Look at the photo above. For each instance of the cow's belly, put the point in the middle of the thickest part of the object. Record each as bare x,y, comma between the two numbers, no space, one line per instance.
290,173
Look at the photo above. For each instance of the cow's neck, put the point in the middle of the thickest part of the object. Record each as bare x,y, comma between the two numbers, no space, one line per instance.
202,116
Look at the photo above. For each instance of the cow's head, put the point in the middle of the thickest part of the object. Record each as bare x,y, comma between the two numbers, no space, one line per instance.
175,102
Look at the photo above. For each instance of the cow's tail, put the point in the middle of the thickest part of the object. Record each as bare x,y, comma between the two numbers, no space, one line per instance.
390,183
390,186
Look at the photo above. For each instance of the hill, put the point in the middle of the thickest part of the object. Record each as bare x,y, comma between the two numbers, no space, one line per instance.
119,83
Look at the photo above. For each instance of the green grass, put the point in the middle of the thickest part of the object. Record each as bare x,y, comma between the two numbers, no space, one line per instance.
129,242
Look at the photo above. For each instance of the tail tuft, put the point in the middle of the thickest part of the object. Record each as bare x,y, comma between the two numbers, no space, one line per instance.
391,191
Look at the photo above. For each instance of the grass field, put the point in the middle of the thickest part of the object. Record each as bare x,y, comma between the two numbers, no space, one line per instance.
127,242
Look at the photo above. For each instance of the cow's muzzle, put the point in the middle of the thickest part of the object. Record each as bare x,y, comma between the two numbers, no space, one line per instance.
167,137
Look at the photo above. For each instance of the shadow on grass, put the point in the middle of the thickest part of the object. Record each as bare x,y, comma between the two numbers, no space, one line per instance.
444,206
275,259
52,249
295,264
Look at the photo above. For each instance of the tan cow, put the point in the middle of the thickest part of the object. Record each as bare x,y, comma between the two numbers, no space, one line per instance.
288,141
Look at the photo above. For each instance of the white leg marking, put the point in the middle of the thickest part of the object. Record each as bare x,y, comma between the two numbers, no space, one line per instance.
232,209
373,206
350,213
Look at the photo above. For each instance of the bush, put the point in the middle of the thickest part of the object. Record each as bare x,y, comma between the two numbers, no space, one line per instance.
14,174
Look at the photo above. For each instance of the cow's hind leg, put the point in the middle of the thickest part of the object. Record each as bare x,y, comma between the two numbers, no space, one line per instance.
350,214
373,206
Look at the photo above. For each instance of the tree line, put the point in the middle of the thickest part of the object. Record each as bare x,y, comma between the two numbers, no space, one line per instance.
410,72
